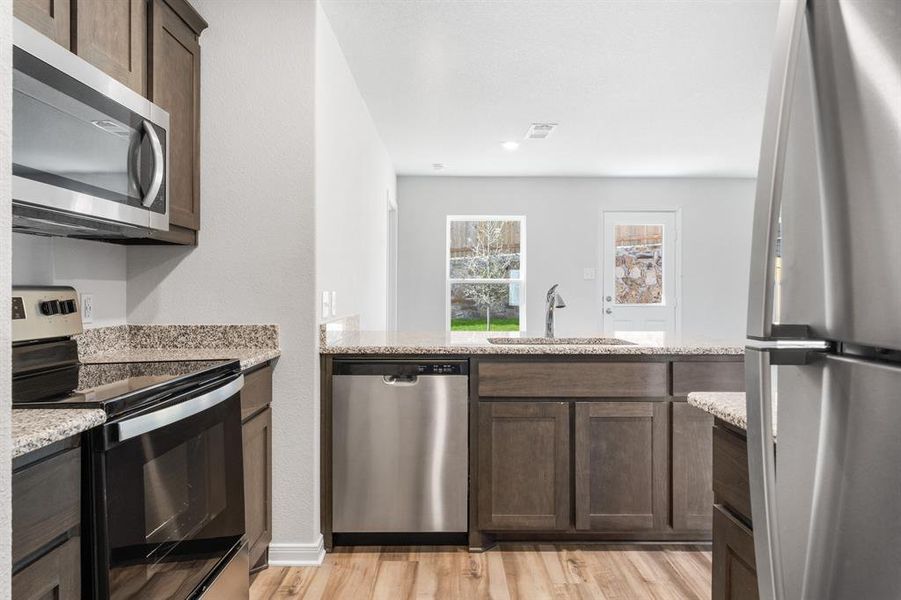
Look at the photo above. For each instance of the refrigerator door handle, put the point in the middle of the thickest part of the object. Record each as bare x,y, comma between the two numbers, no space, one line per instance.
762,473
768,202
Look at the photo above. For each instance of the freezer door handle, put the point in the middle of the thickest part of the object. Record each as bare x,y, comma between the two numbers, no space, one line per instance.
762,473
768,202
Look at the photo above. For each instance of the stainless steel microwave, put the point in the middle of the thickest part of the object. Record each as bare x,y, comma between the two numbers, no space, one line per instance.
90,155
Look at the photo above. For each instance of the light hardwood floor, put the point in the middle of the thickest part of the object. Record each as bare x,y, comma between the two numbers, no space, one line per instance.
511,571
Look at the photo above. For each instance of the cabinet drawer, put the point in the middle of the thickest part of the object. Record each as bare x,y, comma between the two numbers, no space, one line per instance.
46,502
571,379
730,472
56,575
257,392
708,376
734,569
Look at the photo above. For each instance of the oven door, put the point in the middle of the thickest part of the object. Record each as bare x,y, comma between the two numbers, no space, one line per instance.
171,495
89,154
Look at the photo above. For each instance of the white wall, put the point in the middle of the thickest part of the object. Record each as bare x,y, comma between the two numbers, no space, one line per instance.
354,182
256,256
5,301
97,268
563,225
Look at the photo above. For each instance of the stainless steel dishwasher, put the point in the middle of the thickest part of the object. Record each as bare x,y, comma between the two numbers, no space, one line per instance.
399,446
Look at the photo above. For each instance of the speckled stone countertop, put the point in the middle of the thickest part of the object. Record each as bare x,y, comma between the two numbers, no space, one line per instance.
250,344
437,343
728,406
34,428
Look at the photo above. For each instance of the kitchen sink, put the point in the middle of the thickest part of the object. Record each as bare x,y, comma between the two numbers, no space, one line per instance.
556,341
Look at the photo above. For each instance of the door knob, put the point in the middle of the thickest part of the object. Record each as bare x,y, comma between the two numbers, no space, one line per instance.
609,311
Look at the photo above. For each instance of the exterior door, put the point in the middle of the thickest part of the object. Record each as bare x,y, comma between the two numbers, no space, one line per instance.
639,263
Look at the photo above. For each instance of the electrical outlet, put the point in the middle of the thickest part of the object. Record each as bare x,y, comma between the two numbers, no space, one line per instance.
334,304
326,303
587,273
87,308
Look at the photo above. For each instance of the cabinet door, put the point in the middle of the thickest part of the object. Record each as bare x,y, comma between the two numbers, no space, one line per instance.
56,575
174,85
621,466
523,466
734,569
257,434
50,17
112,36
692,468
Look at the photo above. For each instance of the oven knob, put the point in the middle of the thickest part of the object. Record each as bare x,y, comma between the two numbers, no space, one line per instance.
66,307
50,307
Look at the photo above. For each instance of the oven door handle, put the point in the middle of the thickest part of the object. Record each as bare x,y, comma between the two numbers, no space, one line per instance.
131,428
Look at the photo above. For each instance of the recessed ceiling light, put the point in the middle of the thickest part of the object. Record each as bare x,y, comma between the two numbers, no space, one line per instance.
509,146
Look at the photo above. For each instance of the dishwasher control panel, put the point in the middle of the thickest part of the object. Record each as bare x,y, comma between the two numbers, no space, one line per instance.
401,368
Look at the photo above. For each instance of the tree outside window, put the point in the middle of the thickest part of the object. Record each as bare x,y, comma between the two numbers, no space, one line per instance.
485,273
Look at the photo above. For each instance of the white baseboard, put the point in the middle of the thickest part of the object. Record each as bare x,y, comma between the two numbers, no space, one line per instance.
297,555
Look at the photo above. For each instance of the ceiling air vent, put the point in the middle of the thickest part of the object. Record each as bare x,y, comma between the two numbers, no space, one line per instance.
540,131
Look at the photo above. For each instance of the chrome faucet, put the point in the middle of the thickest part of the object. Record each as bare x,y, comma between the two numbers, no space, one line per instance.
554,300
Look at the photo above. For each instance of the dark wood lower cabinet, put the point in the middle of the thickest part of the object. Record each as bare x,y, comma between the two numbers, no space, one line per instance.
55,575
257,434
621,466
524,454
734,570
46,520
692,449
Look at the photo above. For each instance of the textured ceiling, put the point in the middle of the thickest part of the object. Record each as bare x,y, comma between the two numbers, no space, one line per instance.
639,87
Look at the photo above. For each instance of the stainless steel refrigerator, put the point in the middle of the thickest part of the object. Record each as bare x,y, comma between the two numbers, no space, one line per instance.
824,342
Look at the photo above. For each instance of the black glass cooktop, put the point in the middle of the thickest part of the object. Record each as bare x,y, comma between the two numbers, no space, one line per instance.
115,387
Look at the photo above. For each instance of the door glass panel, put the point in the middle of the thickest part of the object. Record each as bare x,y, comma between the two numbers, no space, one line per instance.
638,264
485,306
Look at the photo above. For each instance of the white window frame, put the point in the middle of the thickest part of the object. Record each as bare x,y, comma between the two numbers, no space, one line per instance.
448,281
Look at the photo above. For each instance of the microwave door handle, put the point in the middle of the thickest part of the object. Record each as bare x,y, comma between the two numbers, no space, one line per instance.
158,164
131,428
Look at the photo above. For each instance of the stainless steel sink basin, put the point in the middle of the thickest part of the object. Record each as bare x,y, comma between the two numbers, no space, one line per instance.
558,341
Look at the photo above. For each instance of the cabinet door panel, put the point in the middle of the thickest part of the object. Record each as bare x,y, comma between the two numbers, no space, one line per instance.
174,84
734,569
257,434
55,575
50,17
524,466
112,36
692,468
621,466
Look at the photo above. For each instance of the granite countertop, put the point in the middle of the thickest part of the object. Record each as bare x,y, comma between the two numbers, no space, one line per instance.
250,344
34,428
437,343
728,406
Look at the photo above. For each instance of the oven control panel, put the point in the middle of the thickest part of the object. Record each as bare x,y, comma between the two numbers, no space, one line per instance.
40,313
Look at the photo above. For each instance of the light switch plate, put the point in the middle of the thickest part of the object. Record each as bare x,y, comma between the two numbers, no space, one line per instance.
588,273
326,303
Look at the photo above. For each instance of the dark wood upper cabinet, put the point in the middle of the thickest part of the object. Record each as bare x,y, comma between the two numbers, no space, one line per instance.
523,466
621,461
112,36
257,434
50,17
692,442
174,85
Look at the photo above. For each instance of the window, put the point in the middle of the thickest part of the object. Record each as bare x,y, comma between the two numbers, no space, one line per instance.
639,264
486,273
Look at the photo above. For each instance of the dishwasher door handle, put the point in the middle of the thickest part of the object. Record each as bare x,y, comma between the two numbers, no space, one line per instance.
400,380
